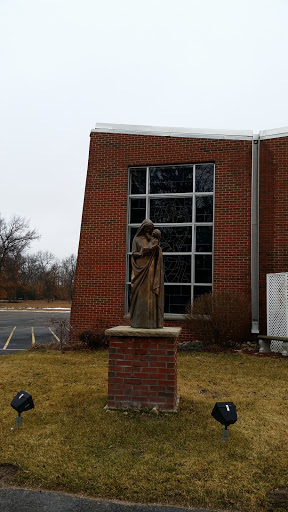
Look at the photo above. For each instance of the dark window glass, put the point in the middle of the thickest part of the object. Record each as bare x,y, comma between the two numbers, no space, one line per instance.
176,298
204,238
204,209
138,180
138,210
129,266
174,179
201,290
203,268
129,295
204,177
177,269
171,209
133,232
176,239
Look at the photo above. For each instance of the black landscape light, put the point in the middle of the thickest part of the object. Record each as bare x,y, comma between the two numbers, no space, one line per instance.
23,401
226,414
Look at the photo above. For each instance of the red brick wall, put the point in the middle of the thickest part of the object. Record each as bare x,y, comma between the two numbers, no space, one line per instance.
142,373
273,214
100,274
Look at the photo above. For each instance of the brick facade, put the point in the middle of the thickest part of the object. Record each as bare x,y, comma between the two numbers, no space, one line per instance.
99,295
273,214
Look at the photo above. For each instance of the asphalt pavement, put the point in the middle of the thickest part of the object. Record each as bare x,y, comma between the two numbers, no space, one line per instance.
21,500
20,329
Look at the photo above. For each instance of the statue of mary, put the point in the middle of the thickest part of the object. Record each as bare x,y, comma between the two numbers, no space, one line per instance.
147,279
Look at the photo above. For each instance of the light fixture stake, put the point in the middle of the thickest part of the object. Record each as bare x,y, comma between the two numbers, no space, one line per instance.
225,434
19,421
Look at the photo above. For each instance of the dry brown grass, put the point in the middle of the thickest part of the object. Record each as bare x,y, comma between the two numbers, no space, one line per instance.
37,304
70,443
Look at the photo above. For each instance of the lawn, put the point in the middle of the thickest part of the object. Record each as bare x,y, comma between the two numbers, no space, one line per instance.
69,442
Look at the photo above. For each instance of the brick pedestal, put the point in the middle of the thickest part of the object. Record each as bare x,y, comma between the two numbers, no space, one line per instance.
143,368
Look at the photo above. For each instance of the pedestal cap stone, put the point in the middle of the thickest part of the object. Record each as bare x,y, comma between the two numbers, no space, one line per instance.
125,330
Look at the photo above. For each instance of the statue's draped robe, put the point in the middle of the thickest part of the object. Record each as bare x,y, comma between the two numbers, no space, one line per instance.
147,284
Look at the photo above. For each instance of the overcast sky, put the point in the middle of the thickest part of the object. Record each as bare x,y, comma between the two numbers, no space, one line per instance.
67,64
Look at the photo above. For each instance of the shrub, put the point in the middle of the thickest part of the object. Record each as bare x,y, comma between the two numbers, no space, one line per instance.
221,318
62,328
44,346
94,338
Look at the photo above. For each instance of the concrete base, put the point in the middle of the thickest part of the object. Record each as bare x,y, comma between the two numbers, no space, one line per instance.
143,368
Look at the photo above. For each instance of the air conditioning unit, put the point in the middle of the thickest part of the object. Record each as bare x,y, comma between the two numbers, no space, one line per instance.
277,308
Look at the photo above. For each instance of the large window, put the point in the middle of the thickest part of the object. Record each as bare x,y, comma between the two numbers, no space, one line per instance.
179,199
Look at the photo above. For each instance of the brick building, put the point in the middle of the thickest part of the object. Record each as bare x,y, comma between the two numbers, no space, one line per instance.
219,198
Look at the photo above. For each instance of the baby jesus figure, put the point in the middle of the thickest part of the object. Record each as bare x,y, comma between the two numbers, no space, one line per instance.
156,233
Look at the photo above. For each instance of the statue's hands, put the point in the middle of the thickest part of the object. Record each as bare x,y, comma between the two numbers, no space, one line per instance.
146,250
137,254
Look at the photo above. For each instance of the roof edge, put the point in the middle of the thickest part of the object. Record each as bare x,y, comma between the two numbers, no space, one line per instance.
173,132
274,133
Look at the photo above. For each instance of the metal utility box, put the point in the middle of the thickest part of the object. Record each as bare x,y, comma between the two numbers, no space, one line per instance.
22,402
225,413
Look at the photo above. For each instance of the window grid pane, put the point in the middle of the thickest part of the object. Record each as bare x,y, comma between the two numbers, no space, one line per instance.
171,179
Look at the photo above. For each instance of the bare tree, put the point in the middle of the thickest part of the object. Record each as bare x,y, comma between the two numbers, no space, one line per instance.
68,266
39,275
15,239
62,329
29,274
49,273
42,275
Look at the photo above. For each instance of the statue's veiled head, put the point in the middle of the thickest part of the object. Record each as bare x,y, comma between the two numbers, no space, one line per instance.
146,227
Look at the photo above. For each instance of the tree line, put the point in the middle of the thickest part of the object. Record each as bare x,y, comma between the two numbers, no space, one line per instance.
31,276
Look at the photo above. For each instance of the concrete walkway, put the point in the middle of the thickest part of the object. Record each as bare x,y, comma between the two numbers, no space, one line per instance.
21,500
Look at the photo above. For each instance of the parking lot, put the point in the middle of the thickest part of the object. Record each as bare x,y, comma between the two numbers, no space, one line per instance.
21,329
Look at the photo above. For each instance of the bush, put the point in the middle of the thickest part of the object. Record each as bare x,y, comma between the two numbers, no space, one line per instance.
221,318
62,328
44,346
94,338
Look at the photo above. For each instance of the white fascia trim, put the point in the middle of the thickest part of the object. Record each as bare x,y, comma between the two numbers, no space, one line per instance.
173,132
274,134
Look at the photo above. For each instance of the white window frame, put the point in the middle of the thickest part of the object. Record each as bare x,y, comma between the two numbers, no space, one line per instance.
147,196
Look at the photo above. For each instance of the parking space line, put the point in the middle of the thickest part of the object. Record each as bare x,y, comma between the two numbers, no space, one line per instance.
8,341
17,349
33,336
53,334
